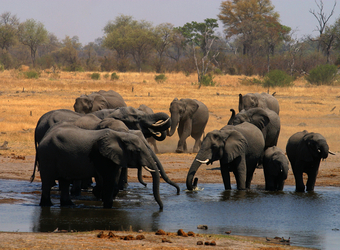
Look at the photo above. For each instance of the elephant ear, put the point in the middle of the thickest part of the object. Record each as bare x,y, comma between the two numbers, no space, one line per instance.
191,107
235,145
99,102
112,147
304,149
259,118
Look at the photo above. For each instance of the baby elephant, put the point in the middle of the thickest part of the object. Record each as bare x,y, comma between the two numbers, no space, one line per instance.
275,168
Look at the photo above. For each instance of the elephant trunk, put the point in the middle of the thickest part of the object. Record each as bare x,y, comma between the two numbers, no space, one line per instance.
162,172
190,182
157,122
155,188
240,102
174,123
231,120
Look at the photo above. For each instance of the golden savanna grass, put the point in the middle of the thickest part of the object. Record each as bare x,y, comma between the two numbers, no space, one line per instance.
24,101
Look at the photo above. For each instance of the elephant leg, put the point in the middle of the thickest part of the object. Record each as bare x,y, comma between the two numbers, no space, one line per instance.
298,175
123,180
110,186
45,200
65,199
226,177
76,188
197,145
311,181
183,133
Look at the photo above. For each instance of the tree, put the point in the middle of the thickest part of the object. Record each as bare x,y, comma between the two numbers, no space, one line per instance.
322,18
163,37
116,39
245,20
32,34
200,36
68,54
8,30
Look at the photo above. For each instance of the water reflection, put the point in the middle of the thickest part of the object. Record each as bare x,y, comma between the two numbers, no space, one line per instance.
310,219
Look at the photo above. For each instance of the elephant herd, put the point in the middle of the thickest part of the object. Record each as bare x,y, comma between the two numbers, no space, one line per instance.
103,137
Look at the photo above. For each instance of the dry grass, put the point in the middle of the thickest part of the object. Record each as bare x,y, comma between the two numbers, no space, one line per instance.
23,101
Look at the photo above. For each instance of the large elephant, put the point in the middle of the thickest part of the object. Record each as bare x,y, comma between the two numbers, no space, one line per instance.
149,124
275,168
151,140
305,151
238,148
265,119
98,101
263,100
191,117
68,153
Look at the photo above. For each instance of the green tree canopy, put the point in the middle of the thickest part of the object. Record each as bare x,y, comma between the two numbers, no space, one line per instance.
32,34
8,30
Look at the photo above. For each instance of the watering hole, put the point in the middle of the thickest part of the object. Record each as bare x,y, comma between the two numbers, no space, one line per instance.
309,219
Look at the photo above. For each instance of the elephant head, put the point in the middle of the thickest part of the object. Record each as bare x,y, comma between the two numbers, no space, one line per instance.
152,125
313,147
275,168
256,116
89,103
226,145
181,110
128,150
248,101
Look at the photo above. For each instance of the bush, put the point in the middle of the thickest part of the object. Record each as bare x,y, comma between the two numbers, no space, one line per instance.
106,76
250,81
114,76
31,74
95,76
160,78
322,75
207,80
277,78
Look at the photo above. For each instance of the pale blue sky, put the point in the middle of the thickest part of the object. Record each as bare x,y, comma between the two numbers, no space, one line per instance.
87,18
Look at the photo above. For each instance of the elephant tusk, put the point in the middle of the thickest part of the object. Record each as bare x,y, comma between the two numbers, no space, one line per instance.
149,169
158,134
332,153
160,123
203,162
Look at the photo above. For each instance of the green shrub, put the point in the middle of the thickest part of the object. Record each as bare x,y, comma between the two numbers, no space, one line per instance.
95,76
217,71
207,80
2,67
250,81
160,78
114,76
277,78
31,74
322,74
106,76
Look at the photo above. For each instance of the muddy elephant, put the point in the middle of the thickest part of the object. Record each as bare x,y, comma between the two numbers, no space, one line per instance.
190,118
98,101
305,151
151,140
263,100
275,168
238,148
265,119
69,153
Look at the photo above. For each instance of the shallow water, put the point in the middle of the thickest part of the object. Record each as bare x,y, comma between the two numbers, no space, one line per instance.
309,219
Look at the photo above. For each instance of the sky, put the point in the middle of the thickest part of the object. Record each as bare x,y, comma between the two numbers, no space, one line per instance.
87,18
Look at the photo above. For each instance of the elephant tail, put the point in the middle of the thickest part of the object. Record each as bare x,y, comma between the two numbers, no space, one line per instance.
35,162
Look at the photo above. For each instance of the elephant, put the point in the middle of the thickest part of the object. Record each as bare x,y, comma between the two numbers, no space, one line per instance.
191,117
68,153
305,151
94,121
263,100
151,140
238,148
98,101
275,168
265,119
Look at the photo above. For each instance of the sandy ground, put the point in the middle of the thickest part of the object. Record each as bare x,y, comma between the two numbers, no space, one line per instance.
176,166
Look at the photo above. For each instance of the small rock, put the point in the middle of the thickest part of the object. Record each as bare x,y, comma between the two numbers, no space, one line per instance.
140,237
160,232
180,232
199,242
129,237
166,240
191,234
228,232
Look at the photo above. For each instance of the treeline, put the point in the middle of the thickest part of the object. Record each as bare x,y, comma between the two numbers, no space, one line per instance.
251,44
